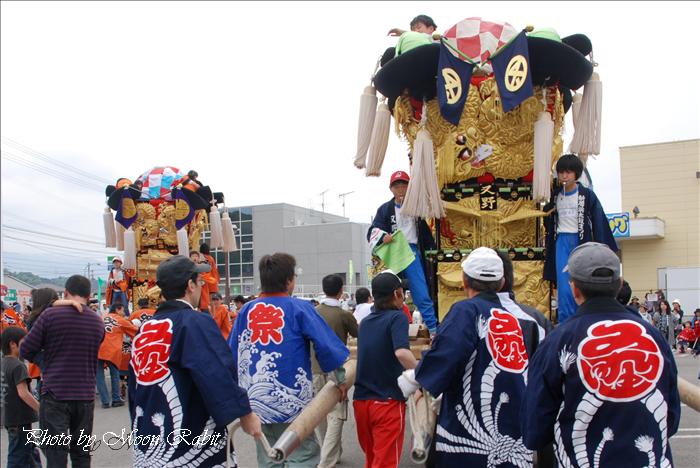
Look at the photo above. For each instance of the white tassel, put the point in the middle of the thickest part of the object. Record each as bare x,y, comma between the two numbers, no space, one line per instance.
228,234
380,141
216,241
586,140
368,104
110,232
120,236
183,243
542,172
423,193
130,250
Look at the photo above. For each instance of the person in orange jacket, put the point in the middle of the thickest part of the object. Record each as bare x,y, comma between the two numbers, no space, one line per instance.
118,284
213,273
210,278
10,318
144,312
220,314
110,354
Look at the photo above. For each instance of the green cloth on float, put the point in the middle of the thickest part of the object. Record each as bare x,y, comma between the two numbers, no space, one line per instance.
397,254
410,40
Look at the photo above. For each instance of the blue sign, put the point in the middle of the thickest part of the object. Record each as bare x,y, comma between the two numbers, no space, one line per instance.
619,224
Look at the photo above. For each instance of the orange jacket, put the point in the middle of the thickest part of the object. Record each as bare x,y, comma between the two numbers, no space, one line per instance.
115,328
10,318
221,317
211,285
122,285
214,271
142,314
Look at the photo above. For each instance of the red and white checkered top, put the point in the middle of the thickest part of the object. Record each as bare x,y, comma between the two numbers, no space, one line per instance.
158,182
479,39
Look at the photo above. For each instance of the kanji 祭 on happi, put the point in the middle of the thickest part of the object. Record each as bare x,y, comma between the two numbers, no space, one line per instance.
213,255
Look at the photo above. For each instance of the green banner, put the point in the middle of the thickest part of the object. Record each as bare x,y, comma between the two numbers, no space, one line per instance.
397,254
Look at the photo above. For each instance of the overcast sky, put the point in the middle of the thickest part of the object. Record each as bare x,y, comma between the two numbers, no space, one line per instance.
262,100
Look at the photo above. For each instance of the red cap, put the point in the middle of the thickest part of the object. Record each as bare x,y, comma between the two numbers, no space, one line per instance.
398,175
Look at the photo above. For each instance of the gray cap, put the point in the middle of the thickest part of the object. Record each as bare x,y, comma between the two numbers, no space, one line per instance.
177,270
593,263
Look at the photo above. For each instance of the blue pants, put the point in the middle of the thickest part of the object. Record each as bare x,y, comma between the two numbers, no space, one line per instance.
102,387
419,290
120,296
20,453
566,242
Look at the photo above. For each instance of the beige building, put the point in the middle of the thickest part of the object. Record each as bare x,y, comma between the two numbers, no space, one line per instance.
662,181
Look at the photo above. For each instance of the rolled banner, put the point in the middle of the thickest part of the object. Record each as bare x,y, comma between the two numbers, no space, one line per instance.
368,105
110,232
315,412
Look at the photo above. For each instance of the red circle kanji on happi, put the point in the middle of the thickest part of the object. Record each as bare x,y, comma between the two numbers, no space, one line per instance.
151,351
505,342
619,361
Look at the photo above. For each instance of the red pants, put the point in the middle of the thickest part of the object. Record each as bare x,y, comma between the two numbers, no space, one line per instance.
380,428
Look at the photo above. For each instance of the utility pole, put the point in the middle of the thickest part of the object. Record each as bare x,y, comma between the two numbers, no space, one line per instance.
343,195
323,200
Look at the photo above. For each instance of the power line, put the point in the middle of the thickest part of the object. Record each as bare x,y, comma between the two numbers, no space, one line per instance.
50,172
59,253
53,236
47,225
27,150
76,249
16,257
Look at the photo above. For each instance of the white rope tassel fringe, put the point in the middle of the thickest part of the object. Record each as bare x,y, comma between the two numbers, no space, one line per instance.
183,243
130,250
110,232
119,230
542,172
586,140
228,234
216,241
379,142
423,194
368,105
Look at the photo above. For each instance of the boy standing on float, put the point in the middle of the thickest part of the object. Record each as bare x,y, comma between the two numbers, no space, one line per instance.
416,231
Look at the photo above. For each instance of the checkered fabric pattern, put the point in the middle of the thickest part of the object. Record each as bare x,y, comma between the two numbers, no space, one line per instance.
158,182
479,39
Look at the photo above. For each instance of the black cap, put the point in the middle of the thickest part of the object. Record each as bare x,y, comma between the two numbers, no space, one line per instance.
175,271
384,284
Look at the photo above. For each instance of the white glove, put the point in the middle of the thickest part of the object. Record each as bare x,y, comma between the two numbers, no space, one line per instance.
136,322
407,383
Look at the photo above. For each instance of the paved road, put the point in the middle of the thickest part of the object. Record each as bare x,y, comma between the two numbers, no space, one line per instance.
685,444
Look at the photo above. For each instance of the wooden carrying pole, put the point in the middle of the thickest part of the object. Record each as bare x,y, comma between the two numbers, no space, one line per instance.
689,393
304,424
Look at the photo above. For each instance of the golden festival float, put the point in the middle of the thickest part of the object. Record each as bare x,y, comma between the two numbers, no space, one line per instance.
164,212
482,109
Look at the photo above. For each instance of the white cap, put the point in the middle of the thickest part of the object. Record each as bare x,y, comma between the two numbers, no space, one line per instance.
676,301
483,264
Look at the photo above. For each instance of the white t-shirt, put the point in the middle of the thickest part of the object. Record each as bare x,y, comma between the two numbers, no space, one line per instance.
567,209
407,225
362,311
